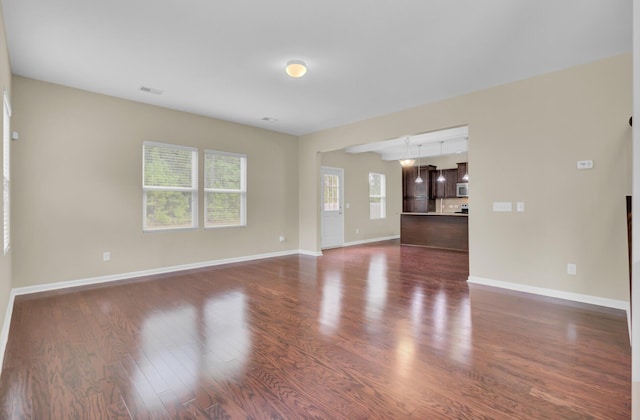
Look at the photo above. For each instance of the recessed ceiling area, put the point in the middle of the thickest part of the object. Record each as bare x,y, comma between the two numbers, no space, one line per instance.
227,59
435,143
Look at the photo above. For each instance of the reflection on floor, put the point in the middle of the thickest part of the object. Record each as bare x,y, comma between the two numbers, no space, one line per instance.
375,331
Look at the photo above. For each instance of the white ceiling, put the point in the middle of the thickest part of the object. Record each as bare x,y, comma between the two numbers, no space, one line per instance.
225,59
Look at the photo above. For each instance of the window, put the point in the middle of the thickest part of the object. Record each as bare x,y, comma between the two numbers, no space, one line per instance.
377,196
225,189
331,192
170,186
6,172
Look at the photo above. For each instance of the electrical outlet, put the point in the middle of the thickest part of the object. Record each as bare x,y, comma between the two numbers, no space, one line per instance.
282,238
520,206
571,269
357,231
106,256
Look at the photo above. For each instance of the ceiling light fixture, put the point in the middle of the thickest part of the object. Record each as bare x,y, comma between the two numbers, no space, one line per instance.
407,161
296,68
419,179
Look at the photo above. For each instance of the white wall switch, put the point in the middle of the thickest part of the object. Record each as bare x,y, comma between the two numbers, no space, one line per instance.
106,256
585,164
348,205
520,206
502,206
571,269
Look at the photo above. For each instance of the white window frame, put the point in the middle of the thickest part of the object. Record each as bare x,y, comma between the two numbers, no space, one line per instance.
6,170
193,189
242,190
382,196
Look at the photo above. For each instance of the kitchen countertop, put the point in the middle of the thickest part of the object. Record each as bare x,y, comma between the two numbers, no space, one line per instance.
437,214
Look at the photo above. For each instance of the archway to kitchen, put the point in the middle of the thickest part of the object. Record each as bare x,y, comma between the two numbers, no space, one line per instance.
431,213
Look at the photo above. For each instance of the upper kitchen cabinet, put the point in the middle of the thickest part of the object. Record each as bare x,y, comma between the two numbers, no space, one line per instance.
462,171
450,183
445,189
416,195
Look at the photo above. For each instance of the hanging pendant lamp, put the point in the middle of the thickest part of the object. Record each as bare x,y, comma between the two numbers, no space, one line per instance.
441,178
466,172
407,161
419,179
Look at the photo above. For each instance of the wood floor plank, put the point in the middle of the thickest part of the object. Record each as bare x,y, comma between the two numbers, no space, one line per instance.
372,331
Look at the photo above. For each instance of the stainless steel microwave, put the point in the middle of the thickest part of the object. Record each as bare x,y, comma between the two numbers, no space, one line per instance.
462,189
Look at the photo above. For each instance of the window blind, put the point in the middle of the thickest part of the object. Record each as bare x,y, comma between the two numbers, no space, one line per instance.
170,186
225,189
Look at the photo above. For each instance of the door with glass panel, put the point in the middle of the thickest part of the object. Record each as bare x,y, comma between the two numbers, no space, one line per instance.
332,218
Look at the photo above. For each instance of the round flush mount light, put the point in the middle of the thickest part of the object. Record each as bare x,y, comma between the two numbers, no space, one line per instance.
296,68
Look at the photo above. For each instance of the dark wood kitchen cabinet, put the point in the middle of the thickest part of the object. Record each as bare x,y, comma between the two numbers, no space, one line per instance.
462,170
451,182
445,231
416,196
446,189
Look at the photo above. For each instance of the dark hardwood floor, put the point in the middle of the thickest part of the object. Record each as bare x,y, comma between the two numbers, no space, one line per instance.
377,331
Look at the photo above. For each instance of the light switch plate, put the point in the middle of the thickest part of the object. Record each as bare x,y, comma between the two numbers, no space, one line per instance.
520,206
502,206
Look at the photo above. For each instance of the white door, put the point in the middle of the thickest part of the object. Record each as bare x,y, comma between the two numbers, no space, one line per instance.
331,217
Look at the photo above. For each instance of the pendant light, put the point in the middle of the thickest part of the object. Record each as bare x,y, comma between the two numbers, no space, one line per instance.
441,178
466,172
407,161
419,179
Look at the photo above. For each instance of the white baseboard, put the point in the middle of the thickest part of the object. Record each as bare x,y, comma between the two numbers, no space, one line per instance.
310,253
368,241
575,297
162,270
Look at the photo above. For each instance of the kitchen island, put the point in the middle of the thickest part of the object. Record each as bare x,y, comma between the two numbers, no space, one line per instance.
435,230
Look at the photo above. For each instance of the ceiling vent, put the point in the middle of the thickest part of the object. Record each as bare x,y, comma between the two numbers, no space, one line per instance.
151,90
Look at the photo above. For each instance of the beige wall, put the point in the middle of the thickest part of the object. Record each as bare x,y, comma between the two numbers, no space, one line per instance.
5,260
356,193
77,186
524,141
